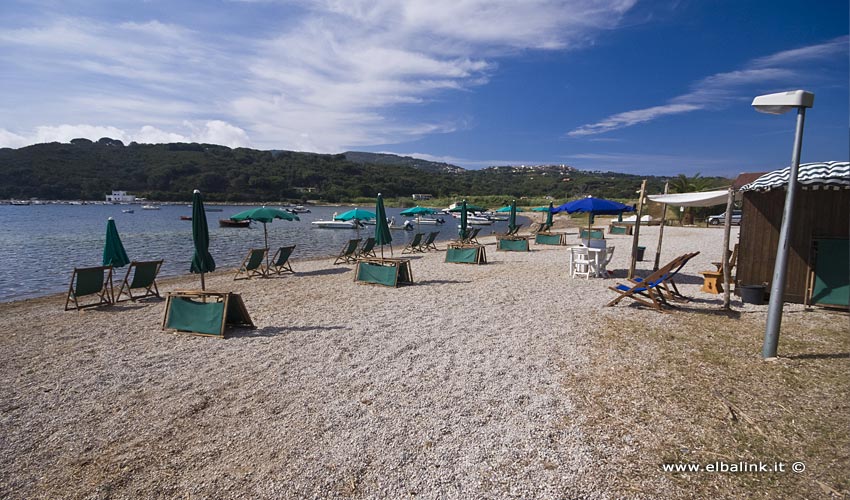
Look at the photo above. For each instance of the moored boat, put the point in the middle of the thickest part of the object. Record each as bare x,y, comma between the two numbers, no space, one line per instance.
150,207
127,211
185,217
336,224
298,209
234,223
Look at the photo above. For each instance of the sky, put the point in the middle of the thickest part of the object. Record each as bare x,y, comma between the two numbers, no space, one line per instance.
655,88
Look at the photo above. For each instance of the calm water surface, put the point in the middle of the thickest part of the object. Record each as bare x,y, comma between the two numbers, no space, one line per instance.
41,244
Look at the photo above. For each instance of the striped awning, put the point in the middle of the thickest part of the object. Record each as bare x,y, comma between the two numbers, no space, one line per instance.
826,175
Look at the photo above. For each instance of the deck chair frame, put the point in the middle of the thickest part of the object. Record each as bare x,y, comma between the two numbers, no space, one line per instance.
253,265
367,249
415,245
280,262
92,276
647,291
144,276
430,241
348,255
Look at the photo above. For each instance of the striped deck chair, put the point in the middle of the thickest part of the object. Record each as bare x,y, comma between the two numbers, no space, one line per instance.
647,291
348,255
87,281
280,262
144,276
253,264
415,245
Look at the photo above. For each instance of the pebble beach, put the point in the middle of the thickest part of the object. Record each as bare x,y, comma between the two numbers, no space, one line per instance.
454,387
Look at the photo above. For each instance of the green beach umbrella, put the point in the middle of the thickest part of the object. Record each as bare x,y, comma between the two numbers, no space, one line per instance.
463,222
417,210
512,218
507,208
357,213
113,250
265,215
382,229
202,261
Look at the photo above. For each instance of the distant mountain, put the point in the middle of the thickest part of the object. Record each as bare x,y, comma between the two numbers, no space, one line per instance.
407,161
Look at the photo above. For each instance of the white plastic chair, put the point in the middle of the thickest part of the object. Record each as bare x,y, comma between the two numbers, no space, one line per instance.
581,264
603,265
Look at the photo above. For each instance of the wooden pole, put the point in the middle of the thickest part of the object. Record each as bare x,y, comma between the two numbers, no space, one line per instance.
636,236
661,230
727,230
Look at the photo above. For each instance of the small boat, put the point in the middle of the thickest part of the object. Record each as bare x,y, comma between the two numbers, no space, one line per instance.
478,221
336,224
234,223
430,220
127,211
150,207
185,217
406,225
19,203
298,209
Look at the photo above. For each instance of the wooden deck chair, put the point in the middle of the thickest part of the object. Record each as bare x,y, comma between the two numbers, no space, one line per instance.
472,236
430,241
367,249
87,281
144,276
647,290
415,245
348,254
253,264
280,262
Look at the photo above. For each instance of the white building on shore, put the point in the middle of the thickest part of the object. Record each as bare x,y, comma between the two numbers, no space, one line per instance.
120,197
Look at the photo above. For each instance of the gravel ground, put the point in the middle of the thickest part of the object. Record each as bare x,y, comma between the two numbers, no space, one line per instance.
451,388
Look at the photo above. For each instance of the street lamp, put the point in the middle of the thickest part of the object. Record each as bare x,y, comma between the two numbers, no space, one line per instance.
777,104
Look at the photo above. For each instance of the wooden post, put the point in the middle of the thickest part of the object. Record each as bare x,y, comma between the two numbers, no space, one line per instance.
727,273
661,230
636,237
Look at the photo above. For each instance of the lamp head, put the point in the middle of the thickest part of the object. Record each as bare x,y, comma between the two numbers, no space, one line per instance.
783,102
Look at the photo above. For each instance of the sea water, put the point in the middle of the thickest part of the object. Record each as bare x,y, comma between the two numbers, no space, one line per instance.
41,244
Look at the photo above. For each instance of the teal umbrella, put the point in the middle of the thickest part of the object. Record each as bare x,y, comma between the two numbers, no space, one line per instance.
466,207
113,250
507,208
202,261
541,209
265,215
357,213
417,210
382,229
512,218
463,223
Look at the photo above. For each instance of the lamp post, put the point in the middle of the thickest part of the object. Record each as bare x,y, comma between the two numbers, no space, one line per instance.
777,104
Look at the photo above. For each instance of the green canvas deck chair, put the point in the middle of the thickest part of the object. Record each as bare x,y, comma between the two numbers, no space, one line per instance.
415,245
253,264
86,281
472,236
280,262
144,277
367,249
430,241
348,255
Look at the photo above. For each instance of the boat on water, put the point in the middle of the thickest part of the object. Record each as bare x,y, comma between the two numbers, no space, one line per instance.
477,220
337,224
297,209
430,220
128,211
19,203
150,207
185,217
234,223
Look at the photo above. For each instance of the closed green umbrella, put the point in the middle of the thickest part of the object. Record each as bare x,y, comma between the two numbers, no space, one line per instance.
113,250
549,215
202,261
512,217
463,222
382,229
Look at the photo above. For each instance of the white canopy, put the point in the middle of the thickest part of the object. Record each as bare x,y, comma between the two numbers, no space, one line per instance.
703,199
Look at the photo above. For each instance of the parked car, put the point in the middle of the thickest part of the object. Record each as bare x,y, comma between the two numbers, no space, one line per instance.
716,220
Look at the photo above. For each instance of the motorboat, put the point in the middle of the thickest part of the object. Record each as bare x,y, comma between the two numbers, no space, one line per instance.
234,223
127,211
337,224
150,207
430,220
477,220
185,217
298,209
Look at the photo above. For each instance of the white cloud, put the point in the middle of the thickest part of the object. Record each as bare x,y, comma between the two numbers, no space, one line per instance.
715,91
12,140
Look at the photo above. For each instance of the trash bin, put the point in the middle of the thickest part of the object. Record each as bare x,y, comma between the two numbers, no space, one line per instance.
752,294
640,251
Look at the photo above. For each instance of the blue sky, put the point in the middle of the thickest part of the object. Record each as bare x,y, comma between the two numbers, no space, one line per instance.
661,87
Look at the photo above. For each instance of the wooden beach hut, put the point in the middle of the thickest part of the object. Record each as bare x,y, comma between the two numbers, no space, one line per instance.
818,256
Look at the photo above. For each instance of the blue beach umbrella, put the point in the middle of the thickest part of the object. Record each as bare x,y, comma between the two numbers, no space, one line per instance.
593,206
382,229
202,261
113,250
